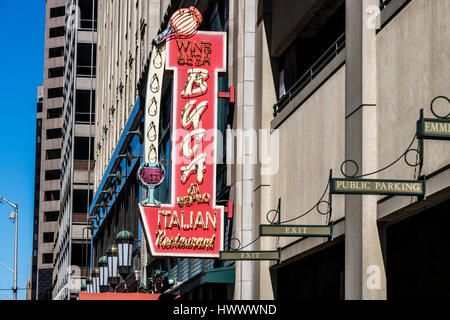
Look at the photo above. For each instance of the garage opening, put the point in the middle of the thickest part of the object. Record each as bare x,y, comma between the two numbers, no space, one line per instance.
319,276
417,256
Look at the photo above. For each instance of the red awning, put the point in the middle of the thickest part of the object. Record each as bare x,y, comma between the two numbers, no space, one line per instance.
118,296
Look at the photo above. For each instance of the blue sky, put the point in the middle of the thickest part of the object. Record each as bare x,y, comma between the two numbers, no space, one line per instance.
22,26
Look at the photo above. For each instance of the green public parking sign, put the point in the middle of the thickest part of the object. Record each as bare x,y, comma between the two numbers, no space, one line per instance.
378,187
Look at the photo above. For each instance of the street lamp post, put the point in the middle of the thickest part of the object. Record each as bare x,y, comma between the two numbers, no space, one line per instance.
15,218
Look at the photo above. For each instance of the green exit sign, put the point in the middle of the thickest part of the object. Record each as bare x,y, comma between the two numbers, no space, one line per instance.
278,230
250,255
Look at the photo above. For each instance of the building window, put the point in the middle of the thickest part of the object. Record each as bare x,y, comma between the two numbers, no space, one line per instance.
48,237
85,106
47,258
51,216
57,12
82,150
86,59
51,175
303,57
217,20
56,52
39,107
55,93
55,72
80,201
54,113
57,32
81,254
51,195
54,134
53,154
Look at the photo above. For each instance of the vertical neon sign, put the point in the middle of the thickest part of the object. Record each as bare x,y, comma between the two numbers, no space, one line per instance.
191,225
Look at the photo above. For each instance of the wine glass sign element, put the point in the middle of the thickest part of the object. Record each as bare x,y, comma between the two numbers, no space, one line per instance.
151,175
182,25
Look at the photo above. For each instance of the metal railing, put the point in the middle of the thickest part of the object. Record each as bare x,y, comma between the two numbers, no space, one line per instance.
312,72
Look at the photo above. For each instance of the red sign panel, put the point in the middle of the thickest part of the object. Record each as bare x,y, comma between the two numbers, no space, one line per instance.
191,225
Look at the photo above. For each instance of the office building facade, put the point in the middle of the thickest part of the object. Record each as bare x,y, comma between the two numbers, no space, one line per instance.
71,241
48,150
64,122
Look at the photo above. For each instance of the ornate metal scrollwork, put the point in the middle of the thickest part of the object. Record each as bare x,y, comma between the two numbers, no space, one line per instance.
403,156
343,170
235,248
240,247
277,217
432,108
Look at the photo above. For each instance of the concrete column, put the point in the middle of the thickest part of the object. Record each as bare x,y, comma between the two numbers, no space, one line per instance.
244,79
364,269
265,98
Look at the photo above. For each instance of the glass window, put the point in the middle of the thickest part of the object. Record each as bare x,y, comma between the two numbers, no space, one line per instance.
80,201
55,93
56,52
54,134
52,175
53,154
54,113
51,195
81,149
58,12
81,254
57,32
51,216
48,237
47,258
88,14
85,106
86,59
55,72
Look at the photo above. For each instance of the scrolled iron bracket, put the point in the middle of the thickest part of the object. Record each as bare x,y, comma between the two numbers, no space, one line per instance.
447,117
404,156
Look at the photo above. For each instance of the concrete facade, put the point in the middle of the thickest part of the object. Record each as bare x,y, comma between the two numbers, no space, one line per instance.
384,83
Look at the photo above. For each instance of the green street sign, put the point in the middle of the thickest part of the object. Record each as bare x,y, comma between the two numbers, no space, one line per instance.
381,187
433,129
250,255
278,230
